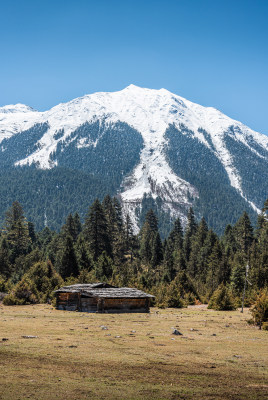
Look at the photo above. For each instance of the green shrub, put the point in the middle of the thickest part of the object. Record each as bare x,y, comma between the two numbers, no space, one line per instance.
265,326
222,299
5,285
43,279
190,299
260,309
173,296
36,286
168,296
22,294
11,300
2,284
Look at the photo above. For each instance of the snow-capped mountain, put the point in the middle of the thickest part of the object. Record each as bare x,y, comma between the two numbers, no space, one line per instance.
168,147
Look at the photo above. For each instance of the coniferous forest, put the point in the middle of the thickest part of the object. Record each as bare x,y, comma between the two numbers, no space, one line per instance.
188,267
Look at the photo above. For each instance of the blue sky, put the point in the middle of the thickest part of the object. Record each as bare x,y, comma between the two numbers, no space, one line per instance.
213,52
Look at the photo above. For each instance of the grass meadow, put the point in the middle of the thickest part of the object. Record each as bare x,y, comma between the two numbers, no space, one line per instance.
131,356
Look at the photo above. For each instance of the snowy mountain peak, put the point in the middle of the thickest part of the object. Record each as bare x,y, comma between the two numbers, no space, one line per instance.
150,112
16,108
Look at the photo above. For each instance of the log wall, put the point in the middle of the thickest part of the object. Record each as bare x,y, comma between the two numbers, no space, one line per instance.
67,301
125,305
76,302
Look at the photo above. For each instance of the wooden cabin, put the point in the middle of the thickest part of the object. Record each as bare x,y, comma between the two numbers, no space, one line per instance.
102,298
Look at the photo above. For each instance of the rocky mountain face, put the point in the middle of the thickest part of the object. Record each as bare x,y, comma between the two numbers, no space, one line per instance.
151,148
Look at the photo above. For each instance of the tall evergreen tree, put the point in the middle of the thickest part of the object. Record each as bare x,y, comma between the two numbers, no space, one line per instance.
129,240
244,233
31,231
96,231
214,266
83,256
113,214
168,260
16,231
104,267
229,240
157,251
118,213
197,260
5,265
68,228
77,225
190,230
66,261
201,232
148,235
176,235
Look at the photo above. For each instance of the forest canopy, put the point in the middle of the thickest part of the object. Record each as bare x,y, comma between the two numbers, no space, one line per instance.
190,265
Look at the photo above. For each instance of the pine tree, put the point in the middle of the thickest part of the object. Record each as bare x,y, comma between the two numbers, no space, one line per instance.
128,236
110,214
77,225
191,228
104,267
168,261
16,231
214,266
31,231
83,256
157,251
147,235
118,213
151,221
96,231
68,228
45,237
244,233
66,261
176,235
222,299
113,214
5,266
259,255
229,240
238,272
201,232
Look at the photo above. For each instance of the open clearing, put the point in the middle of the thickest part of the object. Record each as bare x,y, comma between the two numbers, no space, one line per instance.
131,356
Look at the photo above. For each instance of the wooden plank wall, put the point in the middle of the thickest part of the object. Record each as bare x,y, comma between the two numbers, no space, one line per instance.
126,305
74,301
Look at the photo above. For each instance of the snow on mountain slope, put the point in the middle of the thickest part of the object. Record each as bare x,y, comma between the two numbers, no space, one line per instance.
16,108
16,118
150,112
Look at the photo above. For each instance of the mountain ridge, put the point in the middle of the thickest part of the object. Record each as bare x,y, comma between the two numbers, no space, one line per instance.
152,113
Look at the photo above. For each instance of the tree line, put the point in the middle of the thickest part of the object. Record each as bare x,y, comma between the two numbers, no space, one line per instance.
187,267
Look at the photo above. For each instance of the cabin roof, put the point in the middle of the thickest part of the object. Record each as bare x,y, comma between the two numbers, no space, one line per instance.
84,286
104,290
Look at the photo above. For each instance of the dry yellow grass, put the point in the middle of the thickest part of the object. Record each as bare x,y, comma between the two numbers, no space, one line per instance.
219,356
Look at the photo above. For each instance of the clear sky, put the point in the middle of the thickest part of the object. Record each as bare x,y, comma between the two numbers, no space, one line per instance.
213,52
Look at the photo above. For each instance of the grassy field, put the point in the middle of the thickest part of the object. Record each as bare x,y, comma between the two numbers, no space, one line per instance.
218,356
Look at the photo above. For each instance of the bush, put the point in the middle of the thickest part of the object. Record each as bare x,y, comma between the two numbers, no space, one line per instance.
173,296
22,294
265,326
36,286
11,300
168,296
2,284
190,299
5,286
260,309
43,280
222,299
